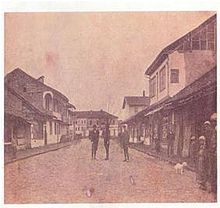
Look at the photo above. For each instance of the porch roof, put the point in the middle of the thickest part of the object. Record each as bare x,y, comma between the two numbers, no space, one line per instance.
149,110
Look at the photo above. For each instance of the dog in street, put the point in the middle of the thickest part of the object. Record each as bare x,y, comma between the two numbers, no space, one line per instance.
180,167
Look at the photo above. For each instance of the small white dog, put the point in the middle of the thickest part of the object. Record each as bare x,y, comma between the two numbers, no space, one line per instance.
180,167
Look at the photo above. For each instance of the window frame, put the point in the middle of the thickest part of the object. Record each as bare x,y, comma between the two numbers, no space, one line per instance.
153,86
162,79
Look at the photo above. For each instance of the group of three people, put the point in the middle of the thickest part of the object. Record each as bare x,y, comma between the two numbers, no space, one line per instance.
94,137
206,157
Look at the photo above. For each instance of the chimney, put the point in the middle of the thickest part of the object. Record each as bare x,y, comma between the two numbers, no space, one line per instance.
41,79
143,93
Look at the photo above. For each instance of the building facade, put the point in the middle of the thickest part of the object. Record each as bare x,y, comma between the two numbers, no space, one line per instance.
86,119
134,104
47,101
184,69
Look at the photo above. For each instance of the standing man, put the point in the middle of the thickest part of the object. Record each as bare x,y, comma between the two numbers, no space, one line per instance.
94,137
170,140
106,136
213,155
125,142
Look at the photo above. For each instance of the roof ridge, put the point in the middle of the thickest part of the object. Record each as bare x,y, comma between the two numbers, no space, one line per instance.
36,80
24,99
182,38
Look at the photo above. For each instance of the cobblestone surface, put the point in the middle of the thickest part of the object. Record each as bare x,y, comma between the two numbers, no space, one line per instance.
62,176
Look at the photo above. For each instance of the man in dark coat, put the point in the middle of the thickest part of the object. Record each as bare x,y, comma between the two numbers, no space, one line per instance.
125,142
106,136
170,140
94,137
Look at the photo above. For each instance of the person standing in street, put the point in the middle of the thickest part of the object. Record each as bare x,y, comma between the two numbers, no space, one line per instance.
106,136
213,155
170,140
125,142
94,137
202,167
193,150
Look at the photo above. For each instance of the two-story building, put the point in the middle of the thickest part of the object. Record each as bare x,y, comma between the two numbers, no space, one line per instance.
134,104
86,119
179,67
23,124
46,100
131,106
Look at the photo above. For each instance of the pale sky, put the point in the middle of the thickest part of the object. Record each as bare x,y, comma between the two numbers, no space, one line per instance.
95,59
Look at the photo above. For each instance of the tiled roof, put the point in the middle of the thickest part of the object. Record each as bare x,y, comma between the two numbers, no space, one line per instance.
136,101
174,46
94,114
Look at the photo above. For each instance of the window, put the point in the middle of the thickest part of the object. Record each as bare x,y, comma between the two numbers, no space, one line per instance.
58,128
195,42
162,77
204,39
55,105
51,128
136,109
90,122
174,76
48,101
55,128
153,87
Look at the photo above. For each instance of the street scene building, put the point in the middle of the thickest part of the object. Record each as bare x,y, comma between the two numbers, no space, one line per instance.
182,88
45,112
135,116
86,119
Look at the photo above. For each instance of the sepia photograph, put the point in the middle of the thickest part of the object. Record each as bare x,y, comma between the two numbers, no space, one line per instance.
110,107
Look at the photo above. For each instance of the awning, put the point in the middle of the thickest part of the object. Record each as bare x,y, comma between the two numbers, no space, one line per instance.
154,111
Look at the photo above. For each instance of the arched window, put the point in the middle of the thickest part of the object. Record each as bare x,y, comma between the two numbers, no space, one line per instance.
48,101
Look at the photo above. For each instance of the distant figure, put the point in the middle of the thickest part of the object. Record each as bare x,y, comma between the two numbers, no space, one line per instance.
207,132
125,142
193,150
106,136
94,137
202,168
157,142
170,140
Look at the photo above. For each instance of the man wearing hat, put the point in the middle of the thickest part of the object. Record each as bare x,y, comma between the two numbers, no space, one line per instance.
125,142
94,137
207,132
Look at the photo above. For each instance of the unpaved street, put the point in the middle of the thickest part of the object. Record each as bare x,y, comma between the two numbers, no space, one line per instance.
60,176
